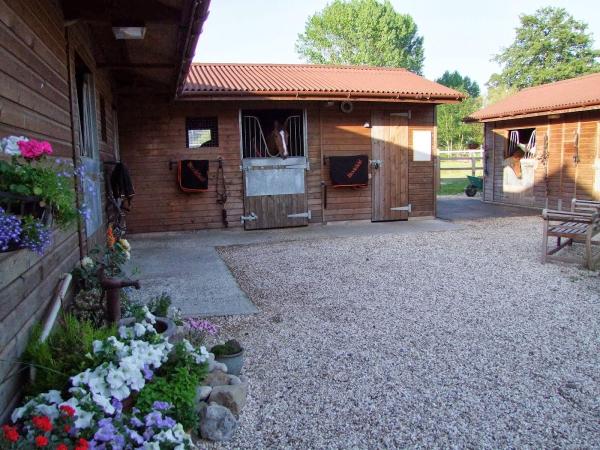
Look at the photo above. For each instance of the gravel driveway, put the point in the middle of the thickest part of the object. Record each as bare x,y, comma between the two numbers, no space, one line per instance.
447,339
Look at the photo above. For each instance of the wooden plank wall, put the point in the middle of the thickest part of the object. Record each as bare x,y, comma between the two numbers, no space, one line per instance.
566,178
152,133
35,102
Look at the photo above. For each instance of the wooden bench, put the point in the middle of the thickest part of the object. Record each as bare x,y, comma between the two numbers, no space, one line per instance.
581,225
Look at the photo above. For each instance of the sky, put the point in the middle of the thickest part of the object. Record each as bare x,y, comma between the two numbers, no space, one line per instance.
459,35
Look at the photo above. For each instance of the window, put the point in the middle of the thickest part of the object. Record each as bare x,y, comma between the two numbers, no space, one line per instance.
103,134
522,140
88,146
202,132
272,133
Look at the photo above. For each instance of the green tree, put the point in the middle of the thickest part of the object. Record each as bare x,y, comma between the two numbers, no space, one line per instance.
550,45
453,133
455,80
362,32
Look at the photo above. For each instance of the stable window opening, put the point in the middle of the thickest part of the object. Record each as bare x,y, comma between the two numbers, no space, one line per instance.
521,143
202,132
273,133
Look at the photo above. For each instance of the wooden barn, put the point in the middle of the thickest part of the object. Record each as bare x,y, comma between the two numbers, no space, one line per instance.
542,145
66,66
265,140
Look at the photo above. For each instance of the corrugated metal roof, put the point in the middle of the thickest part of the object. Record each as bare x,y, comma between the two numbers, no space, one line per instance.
303,80
580,92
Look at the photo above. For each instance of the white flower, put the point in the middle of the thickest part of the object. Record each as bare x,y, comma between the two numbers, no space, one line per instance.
87,262
127,255
9,144
125,244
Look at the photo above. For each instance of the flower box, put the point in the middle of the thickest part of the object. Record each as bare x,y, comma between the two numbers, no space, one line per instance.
25,205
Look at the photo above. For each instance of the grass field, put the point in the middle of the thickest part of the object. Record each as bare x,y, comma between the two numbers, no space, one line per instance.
453,182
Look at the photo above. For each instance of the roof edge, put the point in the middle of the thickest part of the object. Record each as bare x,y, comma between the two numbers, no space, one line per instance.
536,113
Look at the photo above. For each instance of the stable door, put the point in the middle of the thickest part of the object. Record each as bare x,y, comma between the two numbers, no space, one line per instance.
389,166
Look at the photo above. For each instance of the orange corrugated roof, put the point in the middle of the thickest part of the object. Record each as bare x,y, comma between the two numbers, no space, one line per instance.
304,80
580,92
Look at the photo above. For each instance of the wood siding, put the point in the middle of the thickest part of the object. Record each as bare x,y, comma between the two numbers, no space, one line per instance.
570,172
35,102
152,133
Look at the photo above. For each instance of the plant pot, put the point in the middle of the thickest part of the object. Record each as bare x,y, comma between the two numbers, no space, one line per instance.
25,205
233,362
163,325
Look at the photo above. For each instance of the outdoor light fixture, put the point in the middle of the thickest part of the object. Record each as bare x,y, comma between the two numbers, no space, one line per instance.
129,32
367,125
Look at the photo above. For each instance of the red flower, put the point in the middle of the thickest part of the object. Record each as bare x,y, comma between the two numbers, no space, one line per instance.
10,433
33,149
62,447
67,428
82,444
41,441
68,410
42,423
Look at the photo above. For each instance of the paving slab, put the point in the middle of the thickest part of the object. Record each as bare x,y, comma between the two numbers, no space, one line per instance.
457,208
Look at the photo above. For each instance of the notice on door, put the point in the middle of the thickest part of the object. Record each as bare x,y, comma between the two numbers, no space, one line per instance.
421,145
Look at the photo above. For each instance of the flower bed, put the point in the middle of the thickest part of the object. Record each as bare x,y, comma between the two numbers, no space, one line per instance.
101,407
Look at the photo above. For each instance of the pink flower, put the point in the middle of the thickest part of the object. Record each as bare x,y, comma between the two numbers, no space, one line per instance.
33,149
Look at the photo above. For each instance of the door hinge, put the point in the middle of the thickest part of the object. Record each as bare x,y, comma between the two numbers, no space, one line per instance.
403,208
306,215
249,218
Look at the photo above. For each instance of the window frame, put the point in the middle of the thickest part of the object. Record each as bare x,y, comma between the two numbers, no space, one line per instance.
192,124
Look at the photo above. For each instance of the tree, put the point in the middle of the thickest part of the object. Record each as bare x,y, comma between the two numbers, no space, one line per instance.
550,45
455,80
359,32
453,133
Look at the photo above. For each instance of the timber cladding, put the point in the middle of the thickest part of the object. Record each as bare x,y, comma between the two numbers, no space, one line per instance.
571,170
35,101
153,133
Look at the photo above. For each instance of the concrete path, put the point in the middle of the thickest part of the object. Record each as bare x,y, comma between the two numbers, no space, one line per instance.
460,207
187,267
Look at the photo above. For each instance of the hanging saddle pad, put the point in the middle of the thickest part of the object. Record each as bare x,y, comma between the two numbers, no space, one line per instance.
349,171
192,175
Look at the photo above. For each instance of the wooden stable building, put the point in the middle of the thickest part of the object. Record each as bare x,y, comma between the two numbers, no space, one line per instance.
542,145
224,115
66,66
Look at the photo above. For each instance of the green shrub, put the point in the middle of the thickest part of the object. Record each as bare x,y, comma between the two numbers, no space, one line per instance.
230,347
159,305
176,384
65,353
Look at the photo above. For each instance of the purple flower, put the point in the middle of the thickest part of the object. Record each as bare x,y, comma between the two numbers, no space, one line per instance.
106,432
161,406
117,404
35,236
10,230
202,325
136,422
148,374
135,436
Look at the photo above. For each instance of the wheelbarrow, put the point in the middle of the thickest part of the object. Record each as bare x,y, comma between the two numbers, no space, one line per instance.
475,184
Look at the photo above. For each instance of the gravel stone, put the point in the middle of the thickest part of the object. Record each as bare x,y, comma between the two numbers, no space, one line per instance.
439,340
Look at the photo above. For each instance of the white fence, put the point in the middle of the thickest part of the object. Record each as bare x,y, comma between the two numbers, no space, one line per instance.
473,162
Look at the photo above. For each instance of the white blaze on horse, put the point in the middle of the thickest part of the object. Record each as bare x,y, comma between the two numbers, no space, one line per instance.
278,141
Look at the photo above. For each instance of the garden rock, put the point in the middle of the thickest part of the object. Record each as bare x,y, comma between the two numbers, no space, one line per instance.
217,423
202,393
232,397
216,378
234,380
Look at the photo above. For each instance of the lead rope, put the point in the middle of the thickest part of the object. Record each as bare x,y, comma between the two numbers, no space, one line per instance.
221,188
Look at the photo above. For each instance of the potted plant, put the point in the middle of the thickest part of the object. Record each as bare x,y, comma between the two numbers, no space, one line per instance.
231,354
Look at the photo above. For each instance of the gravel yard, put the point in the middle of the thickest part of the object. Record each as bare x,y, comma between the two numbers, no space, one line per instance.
440,339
